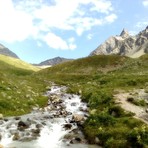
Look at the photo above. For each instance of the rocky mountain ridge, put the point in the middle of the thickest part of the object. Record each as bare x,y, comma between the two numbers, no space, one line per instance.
53,61
5,51
124,44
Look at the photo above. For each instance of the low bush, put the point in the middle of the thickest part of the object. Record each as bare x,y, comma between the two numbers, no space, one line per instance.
138,137
138,102
116,111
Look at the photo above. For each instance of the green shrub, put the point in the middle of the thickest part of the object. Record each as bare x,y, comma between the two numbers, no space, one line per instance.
130,99
138,137
116,111
99,98
132,82
138,102
102,119
115,143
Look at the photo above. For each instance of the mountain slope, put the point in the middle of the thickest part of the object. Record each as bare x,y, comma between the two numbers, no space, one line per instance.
19,90
53,61
17,63
88,65
124,44
5,51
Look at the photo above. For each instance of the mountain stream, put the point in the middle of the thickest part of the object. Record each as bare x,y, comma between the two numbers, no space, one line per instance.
56,126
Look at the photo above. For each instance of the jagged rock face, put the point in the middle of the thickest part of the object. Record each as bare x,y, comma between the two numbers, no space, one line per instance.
132,46
124,34
5,51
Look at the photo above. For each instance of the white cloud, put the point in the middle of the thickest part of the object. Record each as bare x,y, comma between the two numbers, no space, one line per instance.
55,41
89,36
72,18
71,40
111,18
145,3
102,6
72,44
14,25
29,18
79,31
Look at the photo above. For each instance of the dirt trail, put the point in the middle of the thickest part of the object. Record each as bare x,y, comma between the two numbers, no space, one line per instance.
140,112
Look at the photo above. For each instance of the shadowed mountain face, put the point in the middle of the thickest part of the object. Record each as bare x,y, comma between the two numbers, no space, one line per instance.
5,51
124,44
54,61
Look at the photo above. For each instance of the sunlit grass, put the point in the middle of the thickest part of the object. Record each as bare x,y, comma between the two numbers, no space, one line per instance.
17,63
95,79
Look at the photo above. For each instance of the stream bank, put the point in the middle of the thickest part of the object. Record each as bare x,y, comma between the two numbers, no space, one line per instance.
58,125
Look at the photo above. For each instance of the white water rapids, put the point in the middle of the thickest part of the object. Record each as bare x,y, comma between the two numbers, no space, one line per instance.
52,131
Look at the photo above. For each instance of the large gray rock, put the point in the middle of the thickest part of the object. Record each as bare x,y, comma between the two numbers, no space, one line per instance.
124,44
78,117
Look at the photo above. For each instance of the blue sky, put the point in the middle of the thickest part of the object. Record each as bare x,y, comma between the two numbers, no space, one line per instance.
37,30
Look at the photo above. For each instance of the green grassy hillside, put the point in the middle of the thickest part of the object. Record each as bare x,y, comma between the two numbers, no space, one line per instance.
89,65
17,63
97,79
19,90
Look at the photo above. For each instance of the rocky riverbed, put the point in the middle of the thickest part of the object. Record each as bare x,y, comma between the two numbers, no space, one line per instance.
56,126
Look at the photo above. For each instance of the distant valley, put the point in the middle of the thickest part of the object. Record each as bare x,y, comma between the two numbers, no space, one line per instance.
52,62
114,86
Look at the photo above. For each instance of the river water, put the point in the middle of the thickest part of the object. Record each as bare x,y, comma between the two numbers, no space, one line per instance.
47,127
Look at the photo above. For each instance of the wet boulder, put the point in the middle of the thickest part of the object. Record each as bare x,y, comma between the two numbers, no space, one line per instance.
16,136
76,140
78,117
1,122
55,99
35,132
39,126
22,125
67,126
17,118
83,109
5,119
69,136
